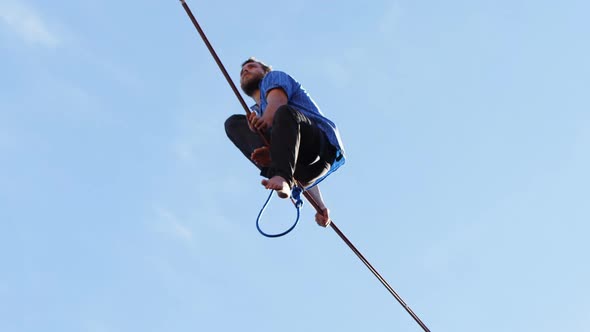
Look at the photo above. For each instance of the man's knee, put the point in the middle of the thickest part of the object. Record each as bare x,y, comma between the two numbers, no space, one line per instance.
234,123
284,113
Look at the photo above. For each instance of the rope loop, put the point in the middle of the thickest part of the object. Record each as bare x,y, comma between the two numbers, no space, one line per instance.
297,202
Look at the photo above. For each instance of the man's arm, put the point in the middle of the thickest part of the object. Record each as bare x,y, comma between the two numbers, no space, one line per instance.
275,98
323,217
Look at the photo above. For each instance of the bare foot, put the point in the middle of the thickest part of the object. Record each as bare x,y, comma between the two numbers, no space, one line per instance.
279,184
261,156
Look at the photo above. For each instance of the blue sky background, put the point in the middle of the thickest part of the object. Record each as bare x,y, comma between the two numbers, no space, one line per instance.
123,207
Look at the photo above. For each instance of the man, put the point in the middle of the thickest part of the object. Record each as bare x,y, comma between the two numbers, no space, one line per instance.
305,146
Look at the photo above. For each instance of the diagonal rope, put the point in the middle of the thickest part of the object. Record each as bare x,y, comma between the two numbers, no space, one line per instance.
307,195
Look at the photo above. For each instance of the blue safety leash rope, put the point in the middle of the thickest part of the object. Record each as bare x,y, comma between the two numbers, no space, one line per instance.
297,201
296,198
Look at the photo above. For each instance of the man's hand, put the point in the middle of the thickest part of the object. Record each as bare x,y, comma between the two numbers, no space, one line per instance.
250,117
323,219
261,156
257,123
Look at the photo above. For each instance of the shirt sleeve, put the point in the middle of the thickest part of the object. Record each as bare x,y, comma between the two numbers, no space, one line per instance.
278,79
254,108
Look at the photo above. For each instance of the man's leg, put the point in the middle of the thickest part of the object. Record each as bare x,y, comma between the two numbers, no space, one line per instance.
299,149
237,130
307,174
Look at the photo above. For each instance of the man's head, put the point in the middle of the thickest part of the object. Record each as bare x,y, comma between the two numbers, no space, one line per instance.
252,73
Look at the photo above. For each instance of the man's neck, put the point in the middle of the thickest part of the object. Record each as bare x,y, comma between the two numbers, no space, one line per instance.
256,96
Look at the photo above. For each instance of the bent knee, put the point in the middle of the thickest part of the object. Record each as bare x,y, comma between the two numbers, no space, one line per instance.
233,122
285,113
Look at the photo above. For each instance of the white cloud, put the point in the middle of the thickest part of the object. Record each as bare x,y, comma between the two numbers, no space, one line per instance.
389,22
27,24
343,68
97,325
7,140
172,226
195,137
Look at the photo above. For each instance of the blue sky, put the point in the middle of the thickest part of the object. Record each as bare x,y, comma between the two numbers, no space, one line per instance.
123,207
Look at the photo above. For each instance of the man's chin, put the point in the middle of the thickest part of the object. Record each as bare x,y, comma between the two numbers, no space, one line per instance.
250,86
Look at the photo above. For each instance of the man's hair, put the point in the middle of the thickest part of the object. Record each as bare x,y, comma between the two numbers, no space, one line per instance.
266,67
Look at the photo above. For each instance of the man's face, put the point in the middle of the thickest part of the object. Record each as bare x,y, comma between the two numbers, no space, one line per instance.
250,77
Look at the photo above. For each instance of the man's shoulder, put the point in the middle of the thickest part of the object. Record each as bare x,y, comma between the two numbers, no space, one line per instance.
279,79
277,75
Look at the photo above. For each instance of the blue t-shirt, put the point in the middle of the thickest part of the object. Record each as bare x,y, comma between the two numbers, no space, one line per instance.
300,100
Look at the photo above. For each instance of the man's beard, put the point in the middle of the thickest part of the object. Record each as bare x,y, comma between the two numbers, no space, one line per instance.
250,86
